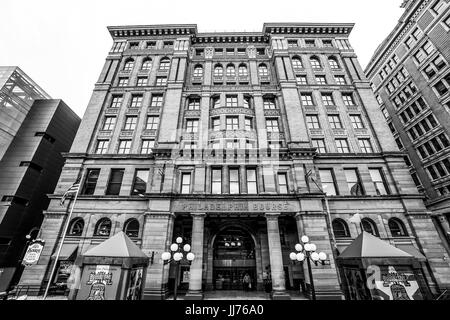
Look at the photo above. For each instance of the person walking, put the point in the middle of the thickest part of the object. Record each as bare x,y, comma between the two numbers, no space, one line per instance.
247,282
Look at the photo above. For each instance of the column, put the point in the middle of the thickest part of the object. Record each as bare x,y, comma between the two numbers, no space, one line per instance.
157,236
276,258
196,270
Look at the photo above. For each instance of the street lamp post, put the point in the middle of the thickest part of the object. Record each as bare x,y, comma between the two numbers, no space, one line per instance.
308,251
178,254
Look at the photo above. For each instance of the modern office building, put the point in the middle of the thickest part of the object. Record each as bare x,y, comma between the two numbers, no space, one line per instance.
35,130
410,75
219,138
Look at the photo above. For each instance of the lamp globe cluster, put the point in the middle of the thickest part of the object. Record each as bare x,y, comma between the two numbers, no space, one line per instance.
305,250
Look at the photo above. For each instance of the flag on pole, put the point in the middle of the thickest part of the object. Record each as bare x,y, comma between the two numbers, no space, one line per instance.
73,189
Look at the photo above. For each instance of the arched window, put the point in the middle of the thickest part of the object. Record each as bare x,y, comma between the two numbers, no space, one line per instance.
198,71
370,227
333,63
262,70
103,228
231,71
164,64
340,228
243,72
218,70
129,64
131,228
397,228
297,63
76,227
146,64
315,63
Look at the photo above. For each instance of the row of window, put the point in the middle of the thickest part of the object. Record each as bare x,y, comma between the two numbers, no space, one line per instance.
327,99
434,67
342,145
141,81
302,79
396,227
124,146
334,120
433,146
390,65
103,228
405,94
130,123
397,80
354,183
442,86
297,63
413,110
424,52
229,51
439,169
131,228
422,127
120,46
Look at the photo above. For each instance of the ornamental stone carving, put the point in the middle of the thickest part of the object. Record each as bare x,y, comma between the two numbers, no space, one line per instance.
209,53
251,52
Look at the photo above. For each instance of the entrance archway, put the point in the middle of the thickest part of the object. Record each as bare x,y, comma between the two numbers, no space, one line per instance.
233,258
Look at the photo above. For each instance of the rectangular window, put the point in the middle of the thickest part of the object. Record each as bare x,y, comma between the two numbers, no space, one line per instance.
232,144
151,44
321,80
439,7
142,81
340,80
248,123
327,99
348,99
136,101
310,43
152,123
378,180
313,122
327,43
140,182
342,146
167,44
234,181
282,183
91,181
102,146
269,103
194,104
335,121
130,123
328,183
365,145
109,123
124,147
272,125
250,144
353,182
116,101
252,186
231,101
216,181
320,145
192,125
147,146
215,124
307,99
157,101
292,43
161,81
115,182
302,80
186,183
232,123
357,121
123,82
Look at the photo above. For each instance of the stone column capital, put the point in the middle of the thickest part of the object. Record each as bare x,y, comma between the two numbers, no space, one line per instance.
198,215
272,215
158,215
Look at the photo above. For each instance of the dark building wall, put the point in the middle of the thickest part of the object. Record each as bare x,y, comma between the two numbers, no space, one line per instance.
30,183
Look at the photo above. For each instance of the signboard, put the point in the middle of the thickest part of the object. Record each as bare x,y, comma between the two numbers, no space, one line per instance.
397,283
186,275
33,253
99,282
135,284
236,206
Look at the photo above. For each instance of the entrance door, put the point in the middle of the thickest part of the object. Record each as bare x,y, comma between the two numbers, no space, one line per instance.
234,257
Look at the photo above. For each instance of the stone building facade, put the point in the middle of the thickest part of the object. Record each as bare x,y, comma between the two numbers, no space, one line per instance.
219,138
410,74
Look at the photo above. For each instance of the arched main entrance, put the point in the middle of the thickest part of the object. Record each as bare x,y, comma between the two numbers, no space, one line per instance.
233,258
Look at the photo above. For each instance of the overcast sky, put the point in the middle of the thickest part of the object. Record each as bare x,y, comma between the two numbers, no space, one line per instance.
62,44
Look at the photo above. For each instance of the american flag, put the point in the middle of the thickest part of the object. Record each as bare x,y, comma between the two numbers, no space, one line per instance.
73,189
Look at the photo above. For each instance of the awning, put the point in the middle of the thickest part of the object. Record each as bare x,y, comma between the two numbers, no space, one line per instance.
409,248
67,251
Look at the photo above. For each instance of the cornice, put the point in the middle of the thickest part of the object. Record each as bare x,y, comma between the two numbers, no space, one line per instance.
152,30
308,28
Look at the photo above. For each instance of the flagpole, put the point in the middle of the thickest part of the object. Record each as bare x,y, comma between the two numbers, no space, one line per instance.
61,243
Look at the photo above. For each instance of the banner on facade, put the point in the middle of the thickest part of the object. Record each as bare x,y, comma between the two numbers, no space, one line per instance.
33,253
